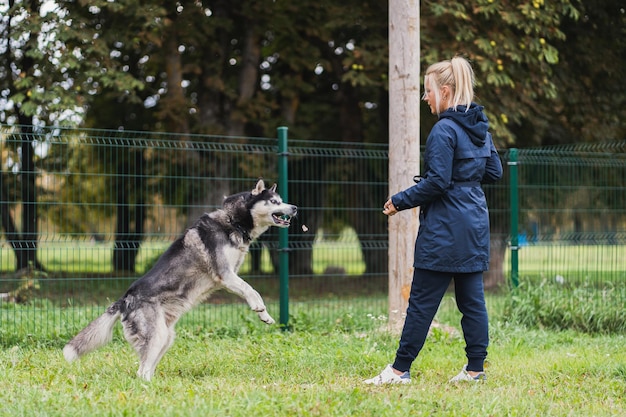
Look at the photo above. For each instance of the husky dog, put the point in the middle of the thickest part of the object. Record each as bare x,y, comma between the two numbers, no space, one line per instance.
205,259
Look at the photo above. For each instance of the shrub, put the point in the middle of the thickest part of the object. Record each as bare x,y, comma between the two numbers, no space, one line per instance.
584,308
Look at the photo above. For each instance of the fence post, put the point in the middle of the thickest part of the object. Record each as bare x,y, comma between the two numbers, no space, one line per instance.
283,236
513,166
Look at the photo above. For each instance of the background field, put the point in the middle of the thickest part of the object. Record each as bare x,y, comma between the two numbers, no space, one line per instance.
62,254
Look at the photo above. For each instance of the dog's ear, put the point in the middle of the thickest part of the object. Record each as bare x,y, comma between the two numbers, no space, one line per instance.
260,186
273,188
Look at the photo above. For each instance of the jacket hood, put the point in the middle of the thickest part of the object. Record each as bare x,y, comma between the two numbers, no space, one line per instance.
473,121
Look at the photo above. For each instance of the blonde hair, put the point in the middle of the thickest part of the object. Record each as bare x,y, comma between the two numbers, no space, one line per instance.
456,73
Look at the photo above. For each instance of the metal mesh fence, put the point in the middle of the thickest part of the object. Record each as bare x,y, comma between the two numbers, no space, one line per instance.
86,212
108,203
572,220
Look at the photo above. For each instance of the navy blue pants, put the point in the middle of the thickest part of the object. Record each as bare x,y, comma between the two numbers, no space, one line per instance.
427,290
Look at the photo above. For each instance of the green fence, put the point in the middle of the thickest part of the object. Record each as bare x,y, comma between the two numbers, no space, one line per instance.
571,218
108,203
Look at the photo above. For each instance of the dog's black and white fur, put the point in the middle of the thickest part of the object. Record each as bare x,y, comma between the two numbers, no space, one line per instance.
205,259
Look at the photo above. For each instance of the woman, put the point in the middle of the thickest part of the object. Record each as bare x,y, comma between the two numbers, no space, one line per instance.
453,237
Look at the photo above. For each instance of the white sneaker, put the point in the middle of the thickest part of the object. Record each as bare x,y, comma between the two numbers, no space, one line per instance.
465,376
388,376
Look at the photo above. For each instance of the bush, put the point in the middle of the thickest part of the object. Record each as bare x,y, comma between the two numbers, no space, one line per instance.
584,308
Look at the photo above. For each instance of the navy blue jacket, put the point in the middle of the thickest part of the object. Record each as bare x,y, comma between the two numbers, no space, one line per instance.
453,233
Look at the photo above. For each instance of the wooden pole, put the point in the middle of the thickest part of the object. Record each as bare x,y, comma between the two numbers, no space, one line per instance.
404,147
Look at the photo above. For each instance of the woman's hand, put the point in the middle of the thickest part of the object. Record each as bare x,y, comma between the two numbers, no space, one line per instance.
389,209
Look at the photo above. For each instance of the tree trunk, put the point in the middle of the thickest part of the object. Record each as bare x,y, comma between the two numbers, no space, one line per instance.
367,227
25,244
30,232
404,147
122,218
174,106
500,224
11,233
129,234
494,278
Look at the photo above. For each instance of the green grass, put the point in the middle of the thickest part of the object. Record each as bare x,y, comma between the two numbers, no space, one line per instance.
259,370
226,363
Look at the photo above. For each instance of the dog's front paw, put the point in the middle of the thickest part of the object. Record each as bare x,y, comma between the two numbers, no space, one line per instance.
266,318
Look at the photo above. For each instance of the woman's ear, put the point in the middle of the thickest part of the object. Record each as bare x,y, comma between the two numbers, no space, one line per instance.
446,92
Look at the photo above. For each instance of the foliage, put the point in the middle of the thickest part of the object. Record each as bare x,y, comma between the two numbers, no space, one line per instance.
36,73
512,48
243,68
591,104
294,63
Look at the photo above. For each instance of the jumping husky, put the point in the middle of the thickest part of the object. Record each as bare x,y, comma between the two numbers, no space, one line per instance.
205,259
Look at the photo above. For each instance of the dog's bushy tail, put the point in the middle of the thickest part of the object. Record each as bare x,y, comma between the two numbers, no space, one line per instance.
97,334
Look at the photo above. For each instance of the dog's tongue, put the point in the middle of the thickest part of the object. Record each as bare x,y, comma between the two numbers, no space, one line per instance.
282,219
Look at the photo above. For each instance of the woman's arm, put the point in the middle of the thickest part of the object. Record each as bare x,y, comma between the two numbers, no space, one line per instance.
438,175
493,169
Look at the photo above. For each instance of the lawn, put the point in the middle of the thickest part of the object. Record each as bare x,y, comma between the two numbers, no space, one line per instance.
317,370
226,363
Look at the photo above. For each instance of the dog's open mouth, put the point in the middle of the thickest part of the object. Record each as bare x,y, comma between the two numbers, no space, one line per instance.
281,219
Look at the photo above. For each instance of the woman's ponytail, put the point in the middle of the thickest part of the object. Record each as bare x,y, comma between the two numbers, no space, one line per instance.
463,75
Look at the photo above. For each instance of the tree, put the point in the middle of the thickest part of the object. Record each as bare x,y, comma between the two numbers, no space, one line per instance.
590,102
112,41
34,92
225,94
244,68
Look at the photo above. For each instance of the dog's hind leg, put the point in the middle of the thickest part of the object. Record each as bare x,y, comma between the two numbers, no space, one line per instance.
171,335
147,331
152,353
